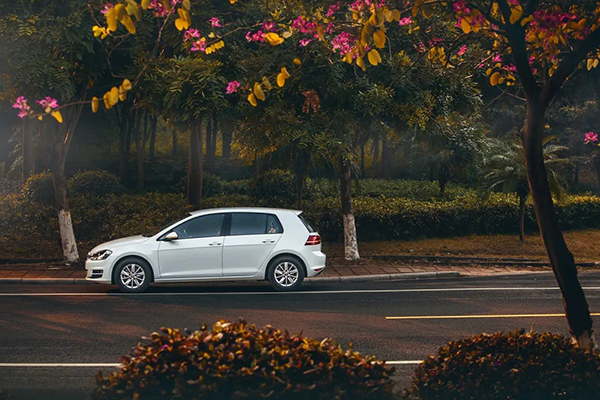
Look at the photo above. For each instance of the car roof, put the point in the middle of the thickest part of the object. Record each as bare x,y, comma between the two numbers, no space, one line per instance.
244,209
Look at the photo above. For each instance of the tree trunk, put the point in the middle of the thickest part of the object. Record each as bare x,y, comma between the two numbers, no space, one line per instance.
350,237
65,225
561,259
226,149
27,149
362,160
443,178
174,141
211,143
139,147
62,138
596,158
522,200
299,190
153,137
385,157
194,184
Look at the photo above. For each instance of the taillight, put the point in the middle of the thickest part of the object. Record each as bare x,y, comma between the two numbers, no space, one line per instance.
313,240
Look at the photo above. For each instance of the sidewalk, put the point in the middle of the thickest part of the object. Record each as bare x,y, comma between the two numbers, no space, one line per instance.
366,269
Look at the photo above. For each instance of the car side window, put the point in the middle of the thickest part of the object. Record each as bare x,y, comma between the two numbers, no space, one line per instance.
201,227
254,224
273,225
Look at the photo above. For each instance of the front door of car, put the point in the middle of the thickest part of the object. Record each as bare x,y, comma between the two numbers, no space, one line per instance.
251,238
197,252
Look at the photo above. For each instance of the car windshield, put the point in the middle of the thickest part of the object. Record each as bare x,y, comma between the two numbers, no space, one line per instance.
157,231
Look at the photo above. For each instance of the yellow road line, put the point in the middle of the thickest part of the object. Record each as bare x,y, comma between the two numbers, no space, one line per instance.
481,316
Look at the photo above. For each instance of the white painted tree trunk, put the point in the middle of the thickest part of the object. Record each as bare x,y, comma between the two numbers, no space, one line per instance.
350,238
586,340
67,236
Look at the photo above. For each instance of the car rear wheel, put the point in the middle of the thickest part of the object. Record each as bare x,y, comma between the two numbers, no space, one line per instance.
285,273
132,275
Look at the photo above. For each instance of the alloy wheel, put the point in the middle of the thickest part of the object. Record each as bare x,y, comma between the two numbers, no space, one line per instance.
286,274
132,276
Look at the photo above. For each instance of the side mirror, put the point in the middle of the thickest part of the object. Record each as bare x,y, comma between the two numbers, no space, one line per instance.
171,236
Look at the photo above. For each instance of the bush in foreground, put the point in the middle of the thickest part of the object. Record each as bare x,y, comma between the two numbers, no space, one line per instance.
508,366
238,360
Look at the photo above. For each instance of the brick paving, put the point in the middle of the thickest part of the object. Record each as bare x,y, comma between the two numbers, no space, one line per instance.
337,267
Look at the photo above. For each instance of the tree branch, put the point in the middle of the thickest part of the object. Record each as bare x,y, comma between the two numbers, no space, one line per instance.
568,66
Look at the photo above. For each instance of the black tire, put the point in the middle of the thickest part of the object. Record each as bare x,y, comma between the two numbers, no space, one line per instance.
285,273
137,270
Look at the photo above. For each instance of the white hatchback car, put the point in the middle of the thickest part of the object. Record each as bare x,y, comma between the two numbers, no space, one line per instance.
210,245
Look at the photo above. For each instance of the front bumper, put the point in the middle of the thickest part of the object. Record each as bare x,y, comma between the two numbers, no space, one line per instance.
98,271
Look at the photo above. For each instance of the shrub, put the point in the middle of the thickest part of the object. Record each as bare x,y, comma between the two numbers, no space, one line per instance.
508,366
94,183
212,185
237,360
39,188
112,216
274,188
236,187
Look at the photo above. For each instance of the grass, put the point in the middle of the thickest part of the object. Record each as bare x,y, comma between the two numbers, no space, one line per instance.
583,245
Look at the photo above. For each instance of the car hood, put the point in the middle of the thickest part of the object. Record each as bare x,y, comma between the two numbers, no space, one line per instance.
120,242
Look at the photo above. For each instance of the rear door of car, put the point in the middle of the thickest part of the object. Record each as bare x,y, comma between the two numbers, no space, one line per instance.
249,240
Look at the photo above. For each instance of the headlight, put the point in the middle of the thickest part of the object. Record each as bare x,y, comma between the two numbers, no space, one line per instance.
99,255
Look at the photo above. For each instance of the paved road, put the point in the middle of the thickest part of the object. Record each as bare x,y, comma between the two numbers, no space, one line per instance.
83,324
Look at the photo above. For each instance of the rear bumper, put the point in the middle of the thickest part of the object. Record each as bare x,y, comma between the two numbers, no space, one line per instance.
315,263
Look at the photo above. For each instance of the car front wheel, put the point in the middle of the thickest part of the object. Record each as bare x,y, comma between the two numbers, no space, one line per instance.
285,274
132,275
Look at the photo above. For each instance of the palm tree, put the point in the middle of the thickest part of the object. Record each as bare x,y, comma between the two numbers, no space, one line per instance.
504,169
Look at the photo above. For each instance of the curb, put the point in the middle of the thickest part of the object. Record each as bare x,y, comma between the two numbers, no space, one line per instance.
353,278
41,281
483,261
385,277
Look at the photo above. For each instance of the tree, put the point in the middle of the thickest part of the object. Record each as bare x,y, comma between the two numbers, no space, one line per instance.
546,42
504,168
46,53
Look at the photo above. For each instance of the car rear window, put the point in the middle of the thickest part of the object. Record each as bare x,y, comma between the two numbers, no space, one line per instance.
254,224
306,224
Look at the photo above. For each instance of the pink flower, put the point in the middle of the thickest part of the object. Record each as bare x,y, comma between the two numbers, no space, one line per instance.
199,45
106,8
461,6
462,50
304,25
405,21
304,42
268,26
343,43
190,34
232,87
513,2
21,104
214,22
333,9
256,37
497,58
590,137
47,103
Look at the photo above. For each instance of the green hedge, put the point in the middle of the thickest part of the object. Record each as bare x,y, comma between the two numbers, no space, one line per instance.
377,218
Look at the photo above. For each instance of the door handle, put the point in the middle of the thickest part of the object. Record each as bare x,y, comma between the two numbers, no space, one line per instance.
214,244
268,241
